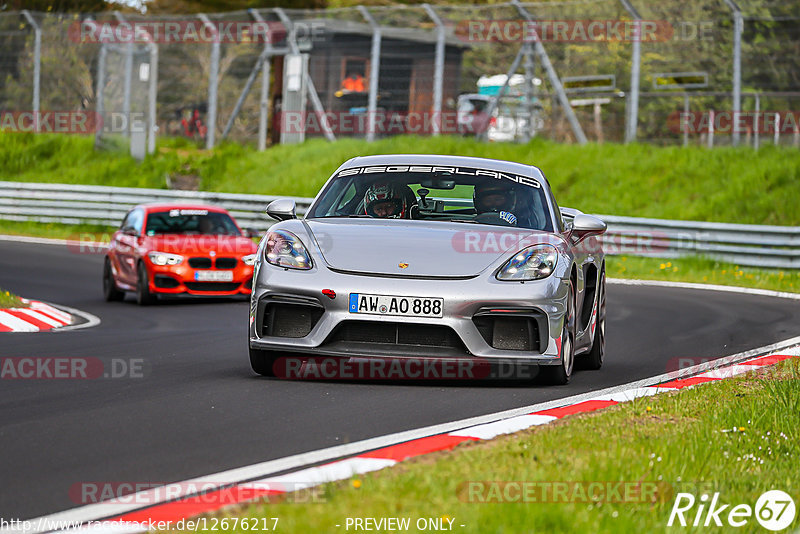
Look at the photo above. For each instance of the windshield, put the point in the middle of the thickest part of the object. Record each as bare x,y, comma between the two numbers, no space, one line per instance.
190,221
447,194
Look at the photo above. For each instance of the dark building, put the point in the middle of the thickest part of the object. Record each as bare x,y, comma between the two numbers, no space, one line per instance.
340,67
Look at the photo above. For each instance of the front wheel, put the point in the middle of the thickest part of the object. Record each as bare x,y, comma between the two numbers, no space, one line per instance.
143,294
561,373
263,361
110,291
594,359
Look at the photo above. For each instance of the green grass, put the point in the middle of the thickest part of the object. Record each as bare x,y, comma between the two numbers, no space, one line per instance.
702,270
724,184
682,442
10,300
87,232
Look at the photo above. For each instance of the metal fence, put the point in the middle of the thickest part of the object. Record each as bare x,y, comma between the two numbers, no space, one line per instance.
742,244
667,72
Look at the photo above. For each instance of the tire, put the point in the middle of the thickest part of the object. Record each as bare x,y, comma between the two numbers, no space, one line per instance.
594,358
143,295
560,374
110,291
263,361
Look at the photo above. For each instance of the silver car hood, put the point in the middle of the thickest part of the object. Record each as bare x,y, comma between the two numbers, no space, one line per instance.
428,249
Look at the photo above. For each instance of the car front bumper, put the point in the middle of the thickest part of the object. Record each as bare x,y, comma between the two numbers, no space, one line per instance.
181,279
542,302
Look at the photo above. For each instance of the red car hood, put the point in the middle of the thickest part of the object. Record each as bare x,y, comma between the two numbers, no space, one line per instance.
222,245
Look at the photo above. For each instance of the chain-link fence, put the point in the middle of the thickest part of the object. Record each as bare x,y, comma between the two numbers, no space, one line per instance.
710,72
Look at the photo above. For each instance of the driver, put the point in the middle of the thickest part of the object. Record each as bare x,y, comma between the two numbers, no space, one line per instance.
496,197
384,201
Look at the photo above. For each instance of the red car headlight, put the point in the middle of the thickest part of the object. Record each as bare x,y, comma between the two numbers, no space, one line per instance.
164,258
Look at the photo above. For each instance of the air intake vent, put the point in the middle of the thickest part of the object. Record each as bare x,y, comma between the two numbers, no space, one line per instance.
200,263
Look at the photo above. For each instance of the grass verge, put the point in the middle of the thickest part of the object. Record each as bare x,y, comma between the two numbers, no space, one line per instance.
702,270
738,437
10,300
724,184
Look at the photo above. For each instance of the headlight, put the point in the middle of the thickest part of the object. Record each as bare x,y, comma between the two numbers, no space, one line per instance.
285,249
163,258
250,259
532,263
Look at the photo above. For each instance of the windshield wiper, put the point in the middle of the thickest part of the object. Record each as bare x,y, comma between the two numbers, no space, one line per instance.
353,216
466,221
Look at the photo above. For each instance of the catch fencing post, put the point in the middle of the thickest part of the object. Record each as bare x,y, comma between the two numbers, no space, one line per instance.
213,75
310,88
558,88
529,77
438,69
685,120
776,136
126,91
755,121
37,63
711,129
263,101
152,94
100,102
738,28
374,72
632,113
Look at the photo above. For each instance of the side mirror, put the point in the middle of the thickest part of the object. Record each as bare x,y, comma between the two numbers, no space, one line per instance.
282,209
584,226
252,233
130,230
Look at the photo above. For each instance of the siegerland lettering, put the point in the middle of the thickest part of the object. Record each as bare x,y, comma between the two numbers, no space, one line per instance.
461,171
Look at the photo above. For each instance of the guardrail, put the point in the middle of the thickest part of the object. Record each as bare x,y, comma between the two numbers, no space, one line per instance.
93,204
741,244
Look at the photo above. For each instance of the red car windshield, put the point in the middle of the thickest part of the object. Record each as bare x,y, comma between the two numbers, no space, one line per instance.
190,221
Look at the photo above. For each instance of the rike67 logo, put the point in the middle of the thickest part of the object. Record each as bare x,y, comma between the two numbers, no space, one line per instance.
774,510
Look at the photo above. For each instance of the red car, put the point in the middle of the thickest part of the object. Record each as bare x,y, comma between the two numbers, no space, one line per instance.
170,249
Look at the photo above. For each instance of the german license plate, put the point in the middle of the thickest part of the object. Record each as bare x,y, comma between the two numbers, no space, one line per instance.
213,276
396,306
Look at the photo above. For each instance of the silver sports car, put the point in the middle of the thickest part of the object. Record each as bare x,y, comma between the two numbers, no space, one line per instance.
424,257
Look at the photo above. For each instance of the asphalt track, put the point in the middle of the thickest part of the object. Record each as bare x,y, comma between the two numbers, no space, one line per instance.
199,409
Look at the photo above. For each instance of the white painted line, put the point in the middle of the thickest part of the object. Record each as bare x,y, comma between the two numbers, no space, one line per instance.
16,324
90,320
39,316
505,426
631,394
794,351
46,308
727,372
340,470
